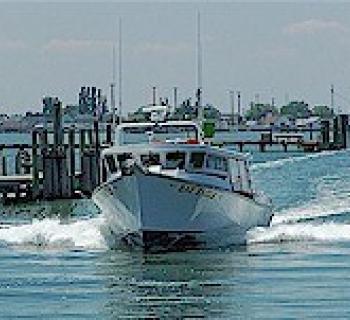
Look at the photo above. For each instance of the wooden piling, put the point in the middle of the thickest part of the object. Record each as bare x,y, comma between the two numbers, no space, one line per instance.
285,146
71,154
35,169
3,162
96,165
325,133
90,137
344,119
18,162
109,134
262,146
57,123
311,131
335,132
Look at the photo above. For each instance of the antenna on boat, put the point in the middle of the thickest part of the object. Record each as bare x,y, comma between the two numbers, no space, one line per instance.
120,72
112,88
199,69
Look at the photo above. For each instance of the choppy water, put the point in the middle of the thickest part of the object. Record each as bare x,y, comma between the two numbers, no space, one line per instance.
55,261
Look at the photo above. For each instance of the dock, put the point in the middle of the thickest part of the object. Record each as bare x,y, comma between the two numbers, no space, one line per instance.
264,146
59,163
64,163
293,140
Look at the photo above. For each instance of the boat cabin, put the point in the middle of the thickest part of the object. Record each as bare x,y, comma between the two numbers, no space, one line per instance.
221,168
157,132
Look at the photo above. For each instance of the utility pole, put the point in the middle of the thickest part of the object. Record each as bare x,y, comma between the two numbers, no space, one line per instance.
332,97
239,106
175,98
154,96
257,98
232,99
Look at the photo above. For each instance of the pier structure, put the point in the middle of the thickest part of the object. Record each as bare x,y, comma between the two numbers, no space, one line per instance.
333,135
59,163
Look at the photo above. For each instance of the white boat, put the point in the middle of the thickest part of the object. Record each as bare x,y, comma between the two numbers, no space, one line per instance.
177,193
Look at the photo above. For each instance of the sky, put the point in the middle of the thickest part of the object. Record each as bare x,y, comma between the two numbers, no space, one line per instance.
285,50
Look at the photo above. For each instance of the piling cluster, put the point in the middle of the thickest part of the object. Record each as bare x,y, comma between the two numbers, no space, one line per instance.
55,165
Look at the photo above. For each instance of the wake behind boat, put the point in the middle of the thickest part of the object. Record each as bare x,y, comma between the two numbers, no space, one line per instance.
177,192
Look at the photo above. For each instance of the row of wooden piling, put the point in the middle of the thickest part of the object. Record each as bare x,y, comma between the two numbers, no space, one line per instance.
49,170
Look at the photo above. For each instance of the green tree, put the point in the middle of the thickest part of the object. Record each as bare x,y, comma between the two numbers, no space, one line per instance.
297,109
324,112
258,110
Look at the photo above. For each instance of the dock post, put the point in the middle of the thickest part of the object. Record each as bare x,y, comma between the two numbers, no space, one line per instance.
44,145
82,141
310,132
285,146
97,155
262,146
35,171
18,161
96,135
57,123
43,138
335,132
90,137
109,134
71,152
325,133
3,162
343,130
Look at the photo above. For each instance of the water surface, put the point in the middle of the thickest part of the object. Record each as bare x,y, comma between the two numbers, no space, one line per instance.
55,262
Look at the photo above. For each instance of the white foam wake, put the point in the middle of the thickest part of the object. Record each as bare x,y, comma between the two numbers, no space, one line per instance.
304,223
284,161
320,209
52,234
331,232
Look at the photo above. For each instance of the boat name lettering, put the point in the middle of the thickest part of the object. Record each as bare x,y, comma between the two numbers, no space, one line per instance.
190,188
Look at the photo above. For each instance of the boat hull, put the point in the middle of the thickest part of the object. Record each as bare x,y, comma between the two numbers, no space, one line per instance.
157,211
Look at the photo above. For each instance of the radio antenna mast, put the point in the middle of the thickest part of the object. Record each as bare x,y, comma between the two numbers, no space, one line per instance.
112,88
120,71
199,69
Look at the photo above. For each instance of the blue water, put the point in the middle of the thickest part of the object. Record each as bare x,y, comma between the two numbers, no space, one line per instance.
56,264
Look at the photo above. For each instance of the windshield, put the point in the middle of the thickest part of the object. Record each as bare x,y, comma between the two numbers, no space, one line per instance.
157,133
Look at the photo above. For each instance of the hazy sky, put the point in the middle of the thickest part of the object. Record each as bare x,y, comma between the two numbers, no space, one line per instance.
285,50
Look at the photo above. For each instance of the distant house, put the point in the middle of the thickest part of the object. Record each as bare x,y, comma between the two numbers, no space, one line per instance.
227,121
251,123
139,116
268,119
285,121
307,123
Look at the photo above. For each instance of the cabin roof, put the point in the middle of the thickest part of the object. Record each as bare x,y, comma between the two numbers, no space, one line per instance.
174,147
153,124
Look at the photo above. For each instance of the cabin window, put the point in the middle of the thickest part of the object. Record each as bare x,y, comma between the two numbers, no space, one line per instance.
111,163
151,159
216,163
197,160
175,160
